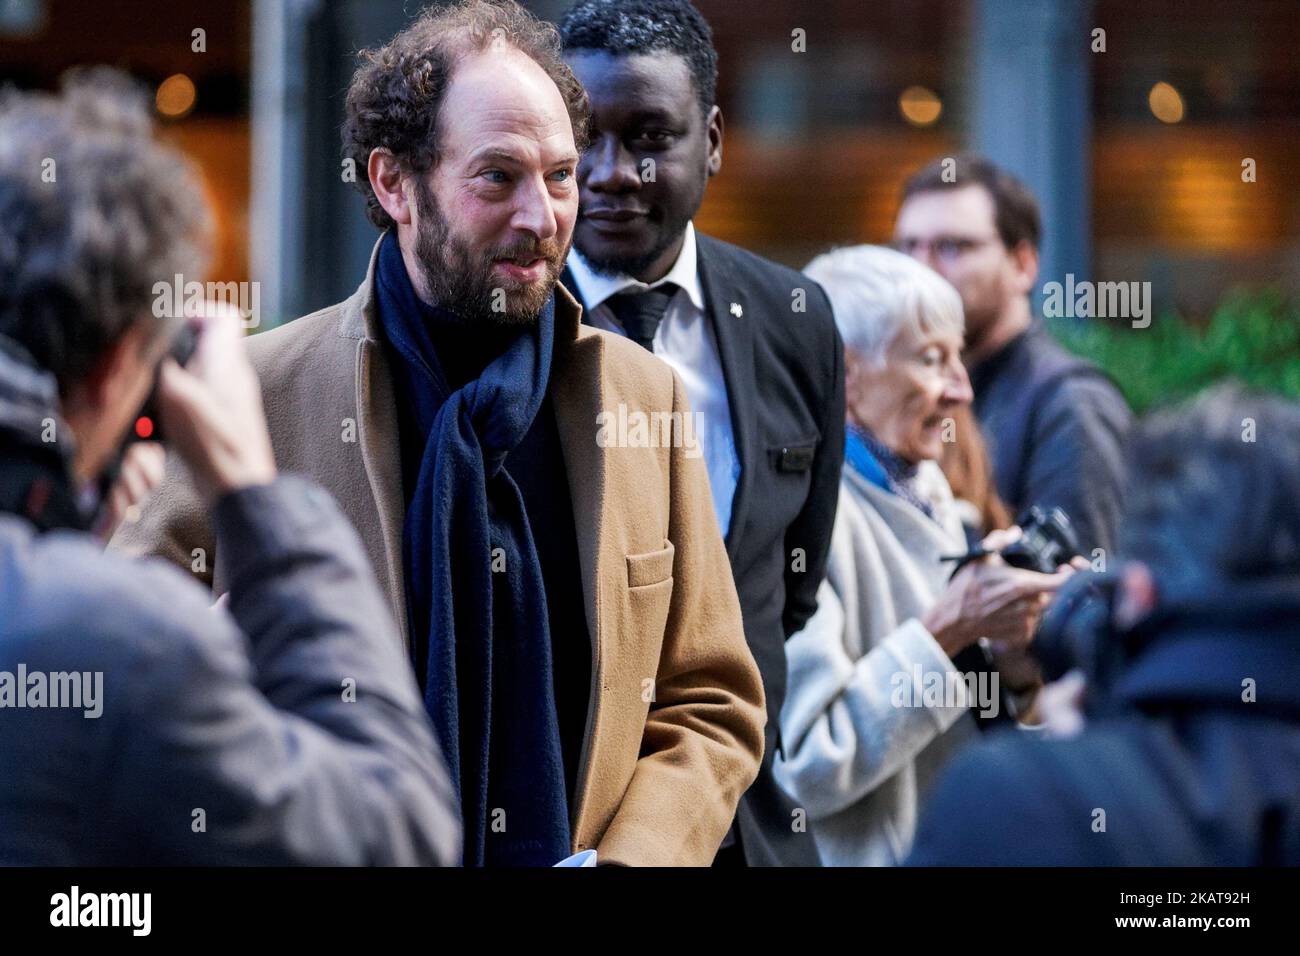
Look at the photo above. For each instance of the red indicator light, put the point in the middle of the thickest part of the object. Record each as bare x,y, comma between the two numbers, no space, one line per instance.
144,426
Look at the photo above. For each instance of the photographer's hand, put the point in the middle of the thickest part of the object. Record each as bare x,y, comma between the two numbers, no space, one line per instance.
141,472
212,409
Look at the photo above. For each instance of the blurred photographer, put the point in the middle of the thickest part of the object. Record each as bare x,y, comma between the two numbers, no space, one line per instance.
1183,681
138,725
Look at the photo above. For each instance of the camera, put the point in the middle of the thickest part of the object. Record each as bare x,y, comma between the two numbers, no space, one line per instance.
148,424
1047,541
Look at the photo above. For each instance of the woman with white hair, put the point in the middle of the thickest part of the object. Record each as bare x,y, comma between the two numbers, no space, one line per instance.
875,704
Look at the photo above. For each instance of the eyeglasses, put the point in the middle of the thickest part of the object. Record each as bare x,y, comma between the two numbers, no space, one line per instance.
946,248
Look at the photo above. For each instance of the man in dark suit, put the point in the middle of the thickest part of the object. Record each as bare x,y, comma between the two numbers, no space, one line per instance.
753,342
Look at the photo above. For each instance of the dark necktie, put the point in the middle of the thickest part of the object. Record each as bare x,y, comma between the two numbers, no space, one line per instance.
641,312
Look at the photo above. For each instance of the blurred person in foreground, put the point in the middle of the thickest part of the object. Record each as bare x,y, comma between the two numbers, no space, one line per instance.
1180,724
562,584
876,704
1054,422
128,707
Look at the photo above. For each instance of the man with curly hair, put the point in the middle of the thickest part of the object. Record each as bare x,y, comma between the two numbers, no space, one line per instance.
558,570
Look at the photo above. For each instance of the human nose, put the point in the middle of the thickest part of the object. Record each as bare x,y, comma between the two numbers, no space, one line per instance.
608,167
957,387
535,210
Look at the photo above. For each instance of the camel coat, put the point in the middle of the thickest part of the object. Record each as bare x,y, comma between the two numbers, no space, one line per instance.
676,711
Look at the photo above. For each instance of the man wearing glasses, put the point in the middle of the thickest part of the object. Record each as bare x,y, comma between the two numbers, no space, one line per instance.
1054,423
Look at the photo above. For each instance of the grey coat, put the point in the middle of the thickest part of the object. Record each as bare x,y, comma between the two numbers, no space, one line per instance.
286,729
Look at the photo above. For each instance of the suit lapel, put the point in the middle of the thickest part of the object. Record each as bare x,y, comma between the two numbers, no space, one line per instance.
735,337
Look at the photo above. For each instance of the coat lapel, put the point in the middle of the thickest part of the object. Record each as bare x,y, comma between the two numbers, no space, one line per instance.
377,431
577,393
724,298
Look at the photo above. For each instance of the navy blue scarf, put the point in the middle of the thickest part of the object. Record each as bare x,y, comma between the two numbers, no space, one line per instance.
878,464
474,584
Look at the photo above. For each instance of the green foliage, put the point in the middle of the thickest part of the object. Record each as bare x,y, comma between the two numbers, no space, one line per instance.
1253,337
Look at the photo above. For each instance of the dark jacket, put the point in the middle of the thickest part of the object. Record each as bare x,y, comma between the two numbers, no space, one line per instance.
1055,426
784,371
1196,764
286,729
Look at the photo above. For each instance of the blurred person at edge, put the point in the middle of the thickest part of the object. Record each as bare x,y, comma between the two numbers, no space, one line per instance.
1054,423
563,587
239,704
858,756
1176,740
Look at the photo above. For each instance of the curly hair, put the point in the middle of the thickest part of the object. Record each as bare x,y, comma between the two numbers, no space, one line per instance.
623,27
93,212
396,92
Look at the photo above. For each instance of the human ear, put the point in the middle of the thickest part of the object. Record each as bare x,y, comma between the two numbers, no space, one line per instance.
387,180
714,134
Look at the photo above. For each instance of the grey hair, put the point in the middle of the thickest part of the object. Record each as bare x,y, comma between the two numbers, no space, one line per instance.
81,250
876,292
1213,491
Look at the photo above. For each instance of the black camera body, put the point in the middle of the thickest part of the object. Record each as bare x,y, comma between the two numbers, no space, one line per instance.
1047,541
148,424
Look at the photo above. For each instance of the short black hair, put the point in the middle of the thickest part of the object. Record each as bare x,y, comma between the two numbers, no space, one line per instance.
1015,210
623,27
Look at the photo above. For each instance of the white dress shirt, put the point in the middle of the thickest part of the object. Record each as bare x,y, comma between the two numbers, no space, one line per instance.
684,340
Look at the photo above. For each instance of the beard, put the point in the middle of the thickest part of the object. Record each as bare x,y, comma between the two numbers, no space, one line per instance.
669,231
463,281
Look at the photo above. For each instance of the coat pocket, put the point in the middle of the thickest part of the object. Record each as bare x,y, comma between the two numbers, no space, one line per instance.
653,567
646,604
794,457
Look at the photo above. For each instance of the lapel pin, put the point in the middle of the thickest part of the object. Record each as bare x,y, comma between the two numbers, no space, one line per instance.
736,310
